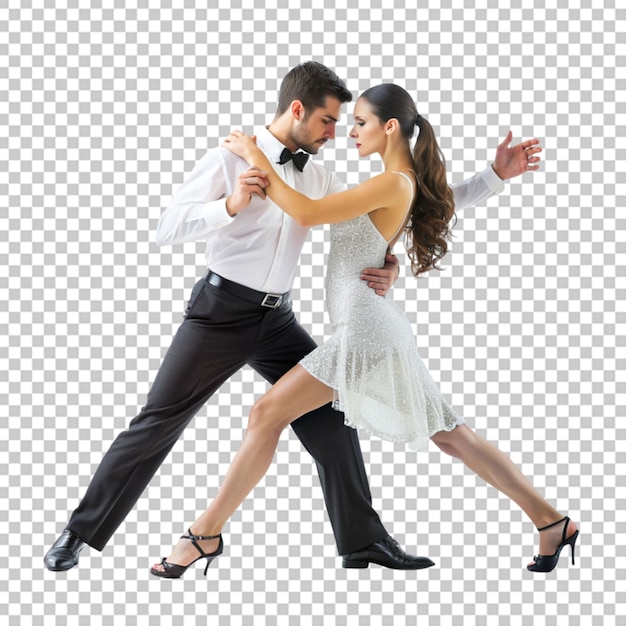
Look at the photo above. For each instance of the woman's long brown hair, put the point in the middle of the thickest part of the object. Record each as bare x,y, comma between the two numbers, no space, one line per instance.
433,208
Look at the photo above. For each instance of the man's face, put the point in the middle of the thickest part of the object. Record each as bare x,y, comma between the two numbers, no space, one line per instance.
315,128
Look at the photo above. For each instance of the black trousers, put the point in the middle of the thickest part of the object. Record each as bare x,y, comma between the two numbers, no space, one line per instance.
220,334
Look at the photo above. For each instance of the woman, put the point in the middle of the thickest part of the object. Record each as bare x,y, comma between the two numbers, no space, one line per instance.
369,367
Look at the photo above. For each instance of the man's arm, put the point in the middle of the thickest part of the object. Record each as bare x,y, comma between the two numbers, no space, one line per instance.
207,199
199,204
513,161
509,162
381,280
477,189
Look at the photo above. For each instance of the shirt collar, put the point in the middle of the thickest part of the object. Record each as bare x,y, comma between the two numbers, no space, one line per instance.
269,144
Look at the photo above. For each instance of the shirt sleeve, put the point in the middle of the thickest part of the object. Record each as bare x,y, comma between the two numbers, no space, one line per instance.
199,205
476,189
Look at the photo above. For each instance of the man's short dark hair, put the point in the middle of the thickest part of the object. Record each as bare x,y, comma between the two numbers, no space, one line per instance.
310,83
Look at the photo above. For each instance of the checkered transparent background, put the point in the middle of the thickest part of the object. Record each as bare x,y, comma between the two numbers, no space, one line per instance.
104,107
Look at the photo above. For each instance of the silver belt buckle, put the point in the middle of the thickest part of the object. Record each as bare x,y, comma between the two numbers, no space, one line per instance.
272,300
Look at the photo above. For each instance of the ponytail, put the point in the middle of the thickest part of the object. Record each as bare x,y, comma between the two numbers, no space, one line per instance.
433,209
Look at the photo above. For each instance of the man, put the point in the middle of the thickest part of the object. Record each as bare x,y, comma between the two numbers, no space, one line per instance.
240,313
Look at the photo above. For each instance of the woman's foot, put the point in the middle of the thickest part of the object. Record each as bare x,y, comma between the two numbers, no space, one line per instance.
185,552
551,538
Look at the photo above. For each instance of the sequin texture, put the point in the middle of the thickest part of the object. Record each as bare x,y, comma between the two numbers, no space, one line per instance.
371,360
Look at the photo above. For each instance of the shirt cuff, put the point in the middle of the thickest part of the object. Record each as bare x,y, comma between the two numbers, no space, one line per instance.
492,180
216,215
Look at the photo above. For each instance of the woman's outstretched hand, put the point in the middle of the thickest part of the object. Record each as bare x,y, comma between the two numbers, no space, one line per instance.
240,144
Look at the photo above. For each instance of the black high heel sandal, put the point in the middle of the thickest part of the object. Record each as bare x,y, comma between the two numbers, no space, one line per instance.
176,571
545,563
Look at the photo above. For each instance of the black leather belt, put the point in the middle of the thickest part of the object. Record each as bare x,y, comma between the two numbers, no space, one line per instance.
267,300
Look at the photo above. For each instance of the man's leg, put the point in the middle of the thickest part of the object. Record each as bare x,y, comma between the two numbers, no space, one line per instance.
334,446
209,346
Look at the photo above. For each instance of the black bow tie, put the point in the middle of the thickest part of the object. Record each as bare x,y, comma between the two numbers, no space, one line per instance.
299,158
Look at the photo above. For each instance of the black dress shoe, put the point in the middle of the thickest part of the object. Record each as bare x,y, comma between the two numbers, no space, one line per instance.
63,554
388,553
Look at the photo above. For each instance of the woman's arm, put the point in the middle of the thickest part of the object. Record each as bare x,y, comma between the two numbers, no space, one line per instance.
376,193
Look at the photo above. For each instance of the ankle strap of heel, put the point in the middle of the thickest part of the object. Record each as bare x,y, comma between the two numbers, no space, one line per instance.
193,537
564,519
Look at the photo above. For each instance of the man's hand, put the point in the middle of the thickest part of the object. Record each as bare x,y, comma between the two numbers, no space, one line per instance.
514,161
382,280
251,183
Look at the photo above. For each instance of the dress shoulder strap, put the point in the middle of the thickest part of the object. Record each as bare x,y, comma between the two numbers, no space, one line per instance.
408,209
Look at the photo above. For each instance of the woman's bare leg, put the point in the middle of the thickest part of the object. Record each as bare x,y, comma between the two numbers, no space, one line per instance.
295,394
498,470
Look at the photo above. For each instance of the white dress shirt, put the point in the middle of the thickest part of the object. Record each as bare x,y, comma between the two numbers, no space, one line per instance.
260,247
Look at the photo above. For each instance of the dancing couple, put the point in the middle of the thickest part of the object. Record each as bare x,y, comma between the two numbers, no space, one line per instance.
254,201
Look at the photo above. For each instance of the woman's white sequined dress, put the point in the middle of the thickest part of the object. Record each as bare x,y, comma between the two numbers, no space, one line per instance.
371,360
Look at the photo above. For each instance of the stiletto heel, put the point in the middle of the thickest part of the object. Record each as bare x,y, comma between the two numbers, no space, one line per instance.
546,563
171,570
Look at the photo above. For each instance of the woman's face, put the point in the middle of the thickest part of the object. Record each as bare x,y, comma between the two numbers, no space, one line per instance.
368,131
